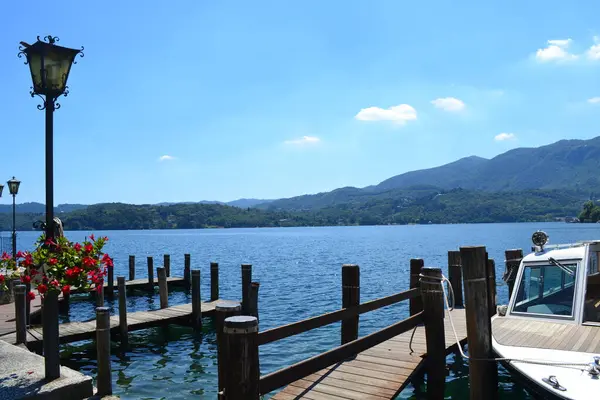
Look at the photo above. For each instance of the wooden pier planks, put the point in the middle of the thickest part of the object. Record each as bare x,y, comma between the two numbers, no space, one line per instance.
75,331
378,373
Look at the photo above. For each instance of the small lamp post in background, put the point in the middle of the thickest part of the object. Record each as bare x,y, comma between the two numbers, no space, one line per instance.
49,65
13,188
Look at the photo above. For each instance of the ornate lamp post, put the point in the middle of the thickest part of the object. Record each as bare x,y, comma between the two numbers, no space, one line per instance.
50,66
13,188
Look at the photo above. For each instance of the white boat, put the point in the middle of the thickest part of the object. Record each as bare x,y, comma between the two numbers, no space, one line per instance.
549,333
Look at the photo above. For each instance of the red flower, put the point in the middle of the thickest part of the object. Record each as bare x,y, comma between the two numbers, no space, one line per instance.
89,248
25,278
5,256
30,296
92,238
28,261
54,283
42,288
107,260
66,289
20,254
50,242
77,247
33,272
89,262
1,278
99,286
53,261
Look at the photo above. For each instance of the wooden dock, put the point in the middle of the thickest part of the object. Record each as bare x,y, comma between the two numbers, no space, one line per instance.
140,284
75,331
378,373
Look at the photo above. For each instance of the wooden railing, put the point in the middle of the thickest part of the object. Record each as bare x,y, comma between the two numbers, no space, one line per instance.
238,345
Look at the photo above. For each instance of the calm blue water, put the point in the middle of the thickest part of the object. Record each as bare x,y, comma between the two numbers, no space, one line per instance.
299,273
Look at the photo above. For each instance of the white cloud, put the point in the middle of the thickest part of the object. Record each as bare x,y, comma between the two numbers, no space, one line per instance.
593,52
594,100
449,104
399,114
303,140
555,50
165,158
504,136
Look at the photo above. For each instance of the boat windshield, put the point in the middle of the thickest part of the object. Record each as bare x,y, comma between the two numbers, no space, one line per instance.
547,289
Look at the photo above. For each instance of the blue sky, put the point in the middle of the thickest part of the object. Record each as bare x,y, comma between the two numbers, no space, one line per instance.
193,100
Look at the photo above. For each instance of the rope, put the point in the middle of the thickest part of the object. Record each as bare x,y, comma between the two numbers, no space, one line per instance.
525,361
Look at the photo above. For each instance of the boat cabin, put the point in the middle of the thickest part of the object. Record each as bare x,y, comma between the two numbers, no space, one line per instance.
559,283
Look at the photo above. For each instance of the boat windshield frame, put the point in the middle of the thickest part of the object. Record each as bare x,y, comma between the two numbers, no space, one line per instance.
579,264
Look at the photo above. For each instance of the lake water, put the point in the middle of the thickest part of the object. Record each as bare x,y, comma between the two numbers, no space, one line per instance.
299,274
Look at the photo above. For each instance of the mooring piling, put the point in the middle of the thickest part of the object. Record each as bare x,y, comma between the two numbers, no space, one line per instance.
163,288
253,309
104,380
479,334
416,303
50,334
214,281
187,266
111,281
122,309
131,267
242,380
196,300
150,274
246,281
513,260
350,299
223,310
491,275
433,318
455,277
167,264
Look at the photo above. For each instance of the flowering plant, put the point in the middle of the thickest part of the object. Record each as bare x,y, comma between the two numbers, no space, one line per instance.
59,265
8,270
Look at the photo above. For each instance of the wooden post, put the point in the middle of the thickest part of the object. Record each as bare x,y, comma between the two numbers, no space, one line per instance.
196,300
131,268
50,335
20,313
122,309
479,334
350,298
241,336
100,295
111,282
223,310
433,318
163,289
246,281
150,274
214,281
254,286
104,381
167,264
28,305
416,303
513,260
455,277
187,266
491,275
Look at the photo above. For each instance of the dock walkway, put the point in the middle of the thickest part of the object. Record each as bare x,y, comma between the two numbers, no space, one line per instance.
378,373
75,331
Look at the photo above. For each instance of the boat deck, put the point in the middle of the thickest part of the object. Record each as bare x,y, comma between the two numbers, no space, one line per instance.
523,332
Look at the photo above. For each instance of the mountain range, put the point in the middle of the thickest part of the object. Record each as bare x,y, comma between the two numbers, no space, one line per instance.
568,165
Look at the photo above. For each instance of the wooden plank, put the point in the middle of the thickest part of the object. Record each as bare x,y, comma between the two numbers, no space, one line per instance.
354,391
387,388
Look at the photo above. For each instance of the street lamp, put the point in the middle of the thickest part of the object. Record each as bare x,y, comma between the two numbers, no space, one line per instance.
13,188
50,66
